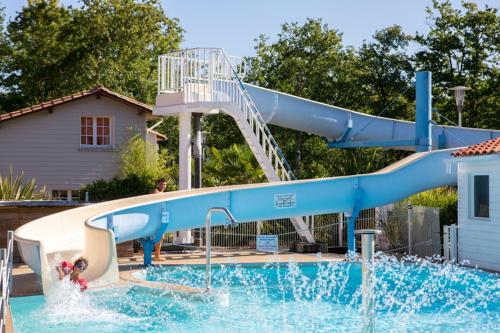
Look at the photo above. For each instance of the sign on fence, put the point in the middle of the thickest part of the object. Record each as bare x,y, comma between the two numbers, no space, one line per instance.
267,243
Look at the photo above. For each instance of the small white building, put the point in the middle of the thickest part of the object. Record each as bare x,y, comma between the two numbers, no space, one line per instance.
479,204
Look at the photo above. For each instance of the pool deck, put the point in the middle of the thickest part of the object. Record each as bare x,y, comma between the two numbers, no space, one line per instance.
25,283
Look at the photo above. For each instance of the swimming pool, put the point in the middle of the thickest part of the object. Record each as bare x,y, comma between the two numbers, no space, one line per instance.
290,297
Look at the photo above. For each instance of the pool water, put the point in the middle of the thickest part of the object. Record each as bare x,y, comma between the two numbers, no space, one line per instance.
325,297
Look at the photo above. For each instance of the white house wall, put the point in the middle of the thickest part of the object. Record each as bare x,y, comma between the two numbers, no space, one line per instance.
46,145
479,239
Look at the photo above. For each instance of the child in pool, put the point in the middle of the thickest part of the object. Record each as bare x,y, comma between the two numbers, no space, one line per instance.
74,270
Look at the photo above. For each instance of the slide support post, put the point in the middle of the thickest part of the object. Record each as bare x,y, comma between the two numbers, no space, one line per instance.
147,246
351,237
423,122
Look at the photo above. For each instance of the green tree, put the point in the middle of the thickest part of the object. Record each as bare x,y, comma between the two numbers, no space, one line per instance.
386,71
52,50
462,48
222,131
309,61
232,166
301,62
35,44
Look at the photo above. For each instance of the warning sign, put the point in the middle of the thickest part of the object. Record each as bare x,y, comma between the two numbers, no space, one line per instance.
287,200
267,243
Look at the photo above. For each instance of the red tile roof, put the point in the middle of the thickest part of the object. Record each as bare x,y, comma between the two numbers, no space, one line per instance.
487,147
97,90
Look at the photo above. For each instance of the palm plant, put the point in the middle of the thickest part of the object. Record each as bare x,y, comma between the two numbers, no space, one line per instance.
12,189
232,166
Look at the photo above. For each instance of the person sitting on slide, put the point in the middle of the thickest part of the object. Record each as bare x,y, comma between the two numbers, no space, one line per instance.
73,270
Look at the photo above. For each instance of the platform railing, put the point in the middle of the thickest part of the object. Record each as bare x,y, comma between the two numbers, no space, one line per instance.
6,256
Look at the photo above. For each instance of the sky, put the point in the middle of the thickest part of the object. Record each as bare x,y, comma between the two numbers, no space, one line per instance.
234,24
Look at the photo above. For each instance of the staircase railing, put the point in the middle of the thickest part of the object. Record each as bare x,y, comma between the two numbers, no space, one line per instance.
209,75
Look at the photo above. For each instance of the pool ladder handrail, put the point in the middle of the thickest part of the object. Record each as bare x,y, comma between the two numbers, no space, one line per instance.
6,257
208,235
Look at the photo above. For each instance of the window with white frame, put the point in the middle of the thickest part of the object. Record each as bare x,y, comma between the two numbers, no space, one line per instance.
95,131
481,196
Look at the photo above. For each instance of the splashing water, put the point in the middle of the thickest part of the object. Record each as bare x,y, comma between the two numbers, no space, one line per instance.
412,295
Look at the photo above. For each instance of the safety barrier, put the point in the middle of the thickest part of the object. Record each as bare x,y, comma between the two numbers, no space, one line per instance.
6,279
405,229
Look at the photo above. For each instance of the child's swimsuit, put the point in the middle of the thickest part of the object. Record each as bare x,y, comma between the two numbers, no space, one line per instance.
67,268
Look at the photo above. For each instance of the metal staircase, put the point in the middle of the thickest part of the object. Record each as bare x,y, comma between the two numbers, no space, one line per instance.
206,79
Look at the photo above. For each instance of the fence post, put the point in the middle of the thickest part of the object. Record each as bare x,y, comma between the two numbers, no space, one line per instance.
312,225
453,243
340,228
410,222
446,242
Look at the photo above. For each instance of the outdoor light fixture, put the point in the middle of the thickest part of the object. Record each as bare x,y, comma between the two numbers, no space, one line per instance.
459,92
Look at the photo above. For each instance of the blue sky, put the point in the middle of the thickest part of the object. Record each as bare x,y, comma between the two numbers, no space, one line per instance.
233,25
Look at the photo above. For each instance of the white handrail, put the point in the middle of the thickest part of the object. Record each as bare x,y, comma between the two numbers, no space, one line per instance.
6,256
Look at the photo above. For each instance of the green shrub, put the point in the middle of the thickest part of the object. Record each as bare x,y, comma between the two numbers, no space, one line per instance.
141,167
140,157
12,189
118,187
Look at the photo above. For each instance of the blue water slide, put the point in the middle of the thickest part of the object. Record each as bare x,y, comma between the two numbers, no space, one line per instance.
346,128
419,172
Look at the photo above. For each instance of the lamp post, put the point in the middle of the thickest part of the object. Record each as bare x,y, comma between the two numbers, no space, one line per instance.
459,92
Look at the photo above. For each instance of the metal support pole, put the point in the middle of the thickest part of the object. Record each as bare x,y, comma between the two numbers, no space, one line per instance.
185,151
208,254
208,241
198,158
410,222
459,111
351,237
368,278
147,246
184,236
423,124
197,150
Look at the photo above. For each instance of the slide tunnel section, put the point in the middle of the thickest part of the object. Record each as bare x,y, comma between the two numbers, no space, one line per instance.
351,127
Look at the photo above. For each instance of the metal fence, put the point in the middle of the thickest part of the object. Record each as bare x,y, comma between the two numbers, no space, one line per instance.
414,230
5,279
406,229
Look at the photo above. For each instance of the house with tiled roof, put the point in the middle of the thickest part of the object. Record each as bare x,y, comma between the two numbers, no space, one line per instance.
479,204
74,140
